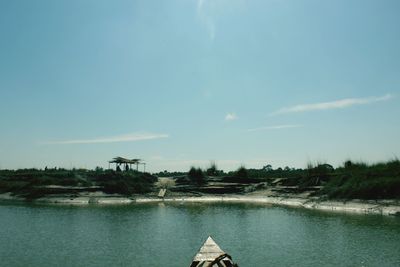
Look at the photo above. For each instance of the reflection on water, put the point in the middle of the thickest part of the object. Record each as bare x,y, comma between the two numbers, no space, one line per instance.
170,234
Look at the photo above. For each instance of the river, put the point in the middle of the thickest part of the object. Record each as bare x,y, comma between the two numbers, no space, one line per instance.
170,235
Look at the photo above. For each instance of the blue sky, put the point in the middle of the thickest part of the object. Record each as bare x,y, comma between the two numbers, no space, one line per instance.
184,82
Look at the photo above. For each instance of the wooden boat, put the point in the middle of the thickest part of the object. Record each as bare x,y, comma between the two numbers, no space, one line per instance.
211,255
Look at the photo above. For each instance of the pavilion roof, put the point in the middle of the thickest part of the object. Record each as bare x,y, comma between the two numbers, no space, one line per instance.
124,160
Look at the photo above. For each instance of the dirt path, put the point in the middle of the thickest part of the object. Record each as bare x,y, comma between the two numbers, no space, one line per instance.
165,182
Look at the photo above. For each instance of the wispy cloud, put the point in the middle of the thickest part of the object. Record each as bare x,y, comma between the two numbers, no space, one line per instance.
338,104
231,117
112,139
275,127
206,18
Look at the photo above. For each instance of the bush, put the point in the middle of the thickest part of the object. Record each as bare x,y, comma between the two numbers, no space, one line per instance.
315,175
33,183
358,180
212,170
126,183
196,176
242,173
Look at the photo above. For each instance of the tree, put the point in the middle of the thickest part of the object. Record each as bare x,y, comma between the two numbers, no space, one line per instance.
196,176
348,164
242,173
98,169
212,170
267,168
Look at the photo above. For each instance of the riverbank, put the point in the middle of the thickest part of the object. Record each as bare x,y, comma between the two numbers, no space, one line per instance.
381,207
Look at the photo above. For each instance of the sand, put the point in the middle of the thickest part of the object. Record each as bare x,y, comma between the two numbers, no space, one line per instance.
383,207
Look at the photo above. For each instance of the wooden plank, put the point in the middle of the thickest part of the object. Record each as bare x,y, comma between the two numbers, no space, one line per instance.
209,251
211,255
162,192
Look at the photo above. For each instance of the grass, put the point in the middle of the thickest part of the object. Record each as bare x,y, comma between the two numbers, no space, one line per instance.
363,181
352,180
195,176
33,183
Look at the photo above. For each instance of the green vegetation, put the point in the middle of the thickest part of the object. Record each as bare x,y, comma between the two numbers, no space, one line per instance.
33,183
169,174
359,180
353,180
125,183
212,170
243,176
350,181
195,177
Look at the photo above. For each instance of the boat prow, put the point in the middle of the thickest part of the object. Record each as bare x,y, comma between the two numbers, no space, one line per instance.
211,255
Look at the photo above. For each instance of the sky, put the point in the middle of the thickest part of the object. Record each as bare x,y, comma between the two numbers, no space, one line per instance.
183,83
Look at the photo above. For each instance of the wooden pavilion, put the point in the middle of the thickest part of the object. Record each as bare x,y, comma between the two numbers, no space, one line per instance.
126,163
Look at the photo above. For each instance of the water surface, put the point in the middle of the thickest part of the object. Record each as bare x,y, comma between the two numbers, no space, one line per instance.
170,235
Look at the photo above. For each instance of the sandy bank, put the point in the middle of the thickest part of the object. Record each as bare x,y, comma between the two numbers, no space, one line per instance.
354,206
349,206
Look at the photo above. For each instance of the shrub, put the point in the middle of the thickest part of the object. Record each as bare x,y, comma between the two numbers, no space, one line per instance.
212,170
359,180
242,173
196,176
